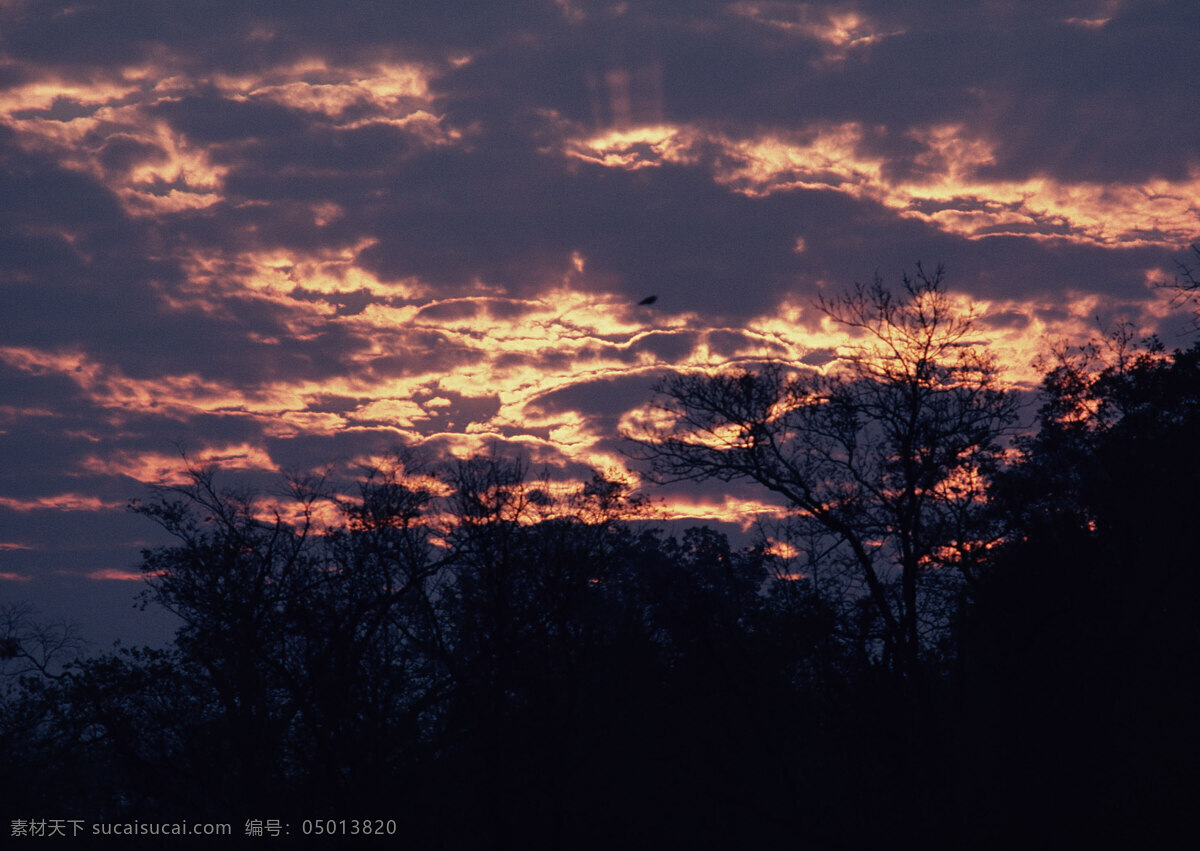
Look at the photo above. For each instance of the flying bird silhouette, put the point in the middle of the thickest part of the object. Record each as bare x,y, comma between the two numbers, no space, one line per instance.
650,299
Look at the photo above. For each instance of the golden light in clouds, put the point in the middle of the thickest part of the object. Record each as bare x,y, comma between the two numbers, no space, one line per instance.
839,28
111,110
1158,213
744,513
402,413
950,194
315,86
176,174
575,328
639,147
514,356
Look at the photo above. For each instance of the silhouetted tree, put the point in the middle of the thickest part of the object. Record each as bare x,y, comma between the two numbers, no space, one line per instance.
47,757
309,620
233,579
1078,648
522,616
887,452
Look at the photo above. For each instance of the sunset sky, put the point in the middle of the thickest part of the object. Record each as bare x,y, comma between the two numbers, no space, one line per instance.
289,234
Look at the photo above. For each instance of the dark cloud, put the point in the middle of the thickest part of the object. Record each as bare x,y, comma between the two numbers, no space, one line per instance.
601,401
121,153
209,119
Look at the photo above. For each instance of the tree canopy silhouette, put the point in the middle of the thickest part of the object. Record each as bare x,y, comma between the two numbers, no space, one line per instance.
1078,648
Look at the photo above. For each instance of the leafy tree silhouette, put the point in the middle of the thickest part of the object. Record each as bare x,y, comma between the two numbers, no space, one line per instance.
1077,649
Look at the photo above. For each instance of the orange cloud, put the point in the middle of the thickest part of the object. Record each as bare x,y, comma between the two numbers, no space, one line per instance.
158,467
11,413
737,512
41,94
61,502
783,550
115,574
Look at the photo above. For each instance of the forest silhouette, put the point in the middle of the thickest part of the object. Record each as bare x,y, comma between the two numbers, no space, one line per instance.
975,637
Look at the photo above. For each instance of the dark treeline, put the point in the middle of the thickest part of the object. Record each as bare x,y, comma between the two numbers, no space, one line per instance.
494,660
